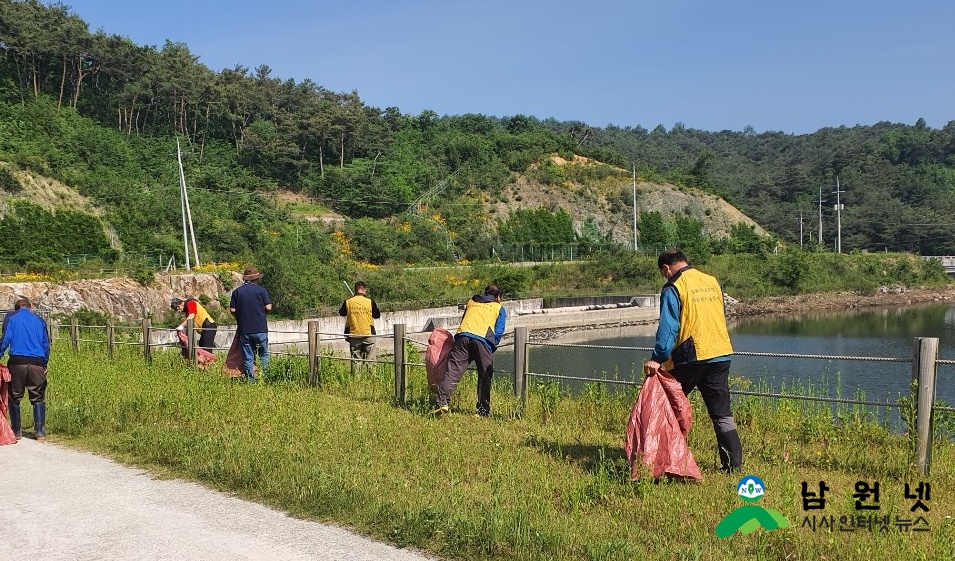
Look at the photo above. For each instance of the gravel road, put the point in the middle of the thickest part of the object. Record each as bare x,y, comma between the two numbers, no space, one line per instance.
59,503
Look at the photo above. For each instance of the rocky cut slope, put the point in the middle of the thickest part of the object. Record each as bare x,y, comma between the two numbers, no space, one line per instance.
122,299
595,193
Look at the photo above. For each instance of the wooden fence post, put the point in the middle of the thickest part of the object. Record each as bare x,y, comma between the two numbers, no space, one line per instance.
314,351
110,338
147,344
190,340
924,356
74,334
400,377
521,335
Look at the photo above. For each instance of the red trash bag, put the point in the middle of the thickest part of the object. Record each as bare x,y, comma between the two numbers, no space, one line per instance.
203,357
656,431
6,433
234,362
436,357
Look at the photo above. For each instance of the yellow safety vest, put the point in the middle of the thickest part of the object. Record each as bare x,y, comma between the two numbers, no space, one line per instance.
703,334
201,315
359,320
480,318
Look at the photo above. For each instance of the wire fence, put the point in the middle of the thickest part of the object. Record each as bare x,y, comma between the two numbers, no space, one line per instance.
298,346
777,395
309,344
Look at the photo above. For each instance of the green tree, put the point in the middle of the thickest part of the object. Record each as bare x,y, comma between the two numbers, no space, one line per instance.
691,239
744,239
297,269
653,233
540,226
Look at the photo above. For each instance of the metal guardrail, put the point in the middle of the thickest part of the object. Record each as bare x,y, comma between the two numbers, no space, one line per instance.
948,262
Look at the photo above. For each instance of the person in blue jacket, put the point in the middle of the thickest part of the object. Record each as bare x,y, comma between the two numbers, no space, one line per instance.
28,342
478,336
693,344
6,319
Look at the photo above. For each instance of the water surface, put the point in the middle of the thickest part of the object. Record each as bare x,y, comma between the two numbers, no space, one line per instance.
869,333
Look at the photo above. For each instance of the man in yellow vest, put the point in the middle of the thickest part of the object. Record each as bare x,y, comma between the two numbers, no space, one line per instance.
359,312
478,336
205,325
693,344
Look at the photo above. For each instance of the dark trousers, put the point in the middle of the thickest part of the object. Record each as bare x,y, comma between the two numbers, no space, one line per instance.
464,351
712,379
207,337
27,377
361,347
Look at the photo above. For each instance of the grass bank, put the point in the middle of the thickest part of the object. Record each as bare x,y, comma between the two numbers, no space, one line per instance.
551,484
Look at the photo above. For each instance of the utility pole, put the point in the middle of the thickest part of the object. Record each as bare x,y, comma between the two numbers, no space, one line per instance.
838,208
819,238
182,208
634,208
186,213
800,229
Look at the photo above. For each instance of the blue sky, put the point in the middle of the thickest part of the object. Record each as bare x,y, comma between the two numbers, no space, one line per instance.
713,65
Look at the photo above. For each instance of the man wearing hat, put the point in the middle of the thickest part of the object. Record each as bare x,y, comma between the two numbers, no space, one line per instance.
249,304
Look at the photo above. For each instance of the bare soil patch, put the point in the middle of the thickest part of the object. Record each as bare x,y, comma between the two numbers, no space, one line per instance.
887,296
607,203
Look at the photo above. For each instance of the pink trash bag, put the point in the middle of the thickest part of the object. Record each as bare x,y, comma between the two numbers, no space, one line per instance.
6,433
203,357
233,361
436,357
656,431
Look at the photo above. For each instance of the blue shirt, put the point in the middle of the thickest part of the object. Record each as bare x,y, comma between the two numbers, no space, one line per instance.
26,335
249,301
6,319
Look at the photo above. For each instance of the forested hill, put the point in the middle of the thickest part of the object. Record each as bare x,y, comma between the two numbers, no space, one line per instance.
897,180
102,114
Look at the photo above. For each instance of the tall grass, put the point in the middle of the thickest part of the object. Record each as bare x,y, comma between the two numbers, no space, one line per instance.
542,482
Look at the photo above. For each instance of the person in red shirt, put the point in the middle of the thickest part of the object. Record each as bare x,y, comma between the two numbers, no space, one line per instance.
205,325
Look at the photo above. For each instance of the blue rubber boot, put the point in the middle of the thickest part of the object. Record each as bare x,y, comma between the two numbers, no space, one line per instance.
39,421
15,420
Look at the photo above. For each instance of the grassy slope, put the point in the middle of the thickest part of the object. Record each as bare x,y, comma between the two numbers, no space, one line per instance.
604,202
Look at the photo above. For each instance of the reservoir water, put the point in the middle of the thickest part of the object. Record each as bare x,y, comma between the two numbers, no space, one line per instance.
869,333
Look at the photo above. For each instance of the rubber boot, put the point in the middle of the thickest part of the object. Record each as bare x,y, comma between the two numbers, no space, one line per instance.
15,420
39,421
731,450
483,408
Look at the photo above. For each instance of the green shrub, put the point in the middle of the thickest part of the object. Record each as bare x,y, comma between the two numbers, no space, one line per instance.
8,182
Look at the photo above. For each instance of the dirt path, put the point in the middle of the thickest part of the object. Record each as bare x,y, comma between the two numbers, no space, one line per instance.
63,504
